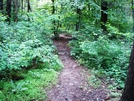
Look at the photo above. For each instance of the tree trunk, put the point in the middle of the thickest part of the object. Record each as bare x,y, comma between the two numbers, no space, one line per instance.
1,5
133,14
56,35
104,15
15,10
128,93
22,5
28,6
78,11
61,8
8,10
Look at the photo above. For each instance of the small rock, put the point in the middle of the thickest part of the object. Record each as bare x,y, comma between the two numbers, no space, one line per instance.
74,66
71,84
84,99
107,98
71,93
76,82
68,99
80,87
58,86
61,53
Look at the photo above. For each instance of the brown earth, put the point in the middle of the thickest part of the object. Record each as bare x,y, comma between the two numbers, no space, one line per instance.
73,84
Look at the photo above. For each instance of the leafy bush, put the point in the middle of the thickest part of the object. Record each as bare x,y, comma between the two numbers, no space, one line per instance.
106,56
113,33
88,33
27,44
27,59
25,54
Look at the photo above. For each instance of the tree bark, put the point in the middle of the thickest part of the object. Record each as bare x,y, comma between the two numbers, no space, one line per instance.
61,8
22,5
1,5
133,14
28,6
78,11
8,10
128,93
104,15
56,35
15,10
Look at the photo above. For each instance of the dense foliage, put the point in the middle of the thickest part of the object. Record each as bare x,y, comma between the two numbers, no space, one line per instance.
107,57
26,44
27,56
102,29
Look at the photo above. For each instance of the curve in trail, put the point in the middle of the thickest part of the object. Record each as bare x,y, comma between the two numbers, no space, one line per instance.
73,85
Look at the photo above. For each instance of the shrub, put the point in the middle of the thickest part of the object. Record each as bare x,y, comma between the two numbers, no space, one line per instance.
25,45
106,56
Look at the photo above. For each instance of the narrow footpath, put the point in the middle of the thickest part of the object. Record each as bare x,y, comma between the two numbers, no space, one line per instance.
73,84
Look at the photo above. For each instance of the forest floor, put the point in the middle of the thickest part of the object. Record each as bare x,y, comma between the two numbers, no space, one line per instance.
73,83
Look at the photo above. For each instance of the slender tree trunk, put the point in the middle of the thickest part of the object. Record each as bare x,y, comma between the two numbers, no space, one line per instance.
1,5
61,8
133,14
104,15
78,11
28,6
8,10
54,22
15,10
128,93
22,5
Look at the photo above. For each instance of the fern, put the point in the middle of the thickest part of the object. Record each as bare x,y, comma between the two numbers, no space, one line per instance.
16,88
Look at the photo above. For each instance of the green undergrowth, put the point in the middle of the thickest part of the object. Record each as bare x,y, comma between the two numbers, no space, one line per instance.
31,88
106,55
28,63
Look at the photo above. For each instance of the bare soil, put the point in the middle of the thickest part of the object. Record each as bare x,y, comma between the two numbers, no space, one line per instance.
73,84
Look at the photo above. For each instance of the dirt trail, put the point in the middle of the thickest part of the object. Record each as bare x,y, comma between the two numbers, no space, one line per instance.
73,85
